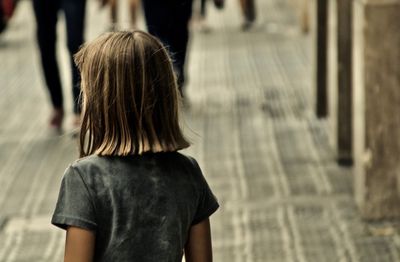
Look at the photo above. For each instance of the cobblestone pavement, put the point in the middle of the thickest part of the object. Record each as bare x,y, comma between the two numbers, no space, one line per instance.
283,198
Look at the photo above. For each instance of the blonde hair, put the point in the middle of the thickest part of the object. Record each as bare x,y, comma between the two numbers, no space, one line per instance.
130,96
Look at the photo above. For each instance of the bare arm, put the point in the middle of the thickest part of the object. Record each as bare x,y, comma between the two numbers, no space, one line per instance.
79,245
198,247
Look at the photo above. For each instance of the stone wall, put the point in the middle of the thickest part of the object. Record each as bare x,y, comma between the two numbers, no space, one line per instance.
377,107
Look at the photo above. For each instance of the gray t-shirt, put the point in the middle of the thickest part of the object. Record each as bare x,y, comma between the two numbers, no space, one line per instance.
141,207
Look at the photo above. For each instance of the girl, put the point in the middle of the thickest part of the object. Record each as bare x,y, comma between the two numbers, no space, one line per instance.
132,196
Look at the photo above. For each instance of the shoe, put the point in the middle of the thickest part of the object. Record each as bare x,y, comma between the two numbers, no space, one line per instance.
247,25
57,118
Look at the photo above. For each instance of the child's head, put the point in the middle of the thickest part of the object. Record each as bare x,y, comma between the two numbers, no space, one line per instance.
130,96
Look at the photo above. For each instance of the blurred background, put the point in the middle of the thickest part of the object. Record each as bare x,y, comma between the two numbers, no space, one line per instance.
293,114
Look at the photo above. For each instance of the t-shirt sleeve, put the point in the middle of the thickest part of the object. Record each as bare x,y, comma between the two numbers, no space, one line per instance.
208,203
74,206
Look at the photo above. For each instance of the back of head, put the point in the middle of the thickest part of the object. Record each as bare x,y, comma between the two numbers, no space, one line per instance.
130,96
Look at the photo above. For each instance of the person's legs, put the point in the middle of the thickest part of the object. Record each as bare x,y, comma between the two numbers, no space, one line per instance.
249,13
75,20
180,38
169,21
157,15
202,22
2,19
46,12
203,10
133,7
251,10
113,12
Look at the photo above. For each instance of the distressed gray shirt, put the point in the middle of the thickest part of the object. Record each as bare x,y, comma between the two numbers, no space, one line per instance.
141,207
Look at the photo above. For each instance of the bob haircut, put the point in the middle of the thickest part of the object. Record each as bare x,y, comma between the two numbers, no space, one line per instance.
130,96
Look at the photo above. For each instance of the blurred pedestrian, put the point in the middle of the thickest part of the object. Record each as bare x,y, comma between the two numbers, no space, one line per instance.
3,19
133,8
132,197
169,21
249,13
203,8
46,13
202,21
204,27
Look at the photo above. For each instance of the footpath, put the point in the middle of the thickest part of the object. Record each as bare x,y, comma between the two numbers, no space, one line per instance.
251,121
